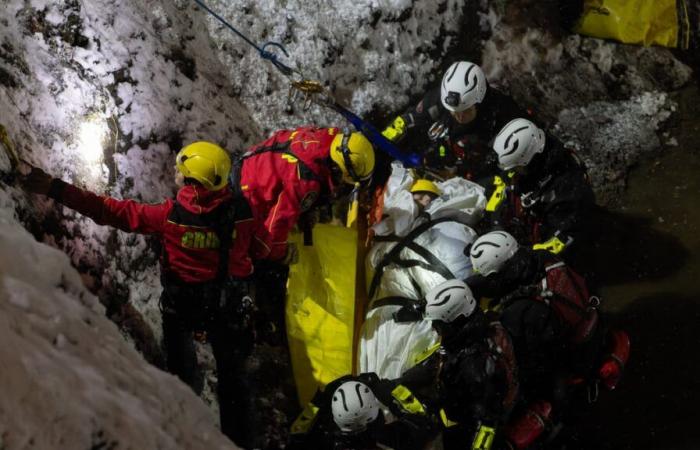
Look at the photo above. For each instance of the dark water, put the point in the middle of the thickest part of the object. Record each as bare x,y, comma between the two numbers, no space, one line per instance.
650,264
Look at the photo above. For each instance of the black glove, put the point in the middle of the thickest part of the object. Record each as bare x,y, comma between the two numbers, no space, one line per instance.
35,180
238,304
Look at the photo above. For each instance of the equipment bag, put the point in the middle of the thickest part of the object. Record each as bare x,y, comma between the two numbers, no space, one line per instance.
565,291
645,22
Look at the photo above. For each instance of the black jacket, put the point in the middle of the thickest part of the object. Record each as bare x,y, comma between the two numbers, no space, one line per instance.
551,197
522,270
471,139
410,431
475,380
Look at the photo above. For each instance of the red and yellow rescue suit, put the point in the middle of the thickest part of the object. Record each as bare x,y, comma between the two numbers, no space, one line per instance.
191,247
283,177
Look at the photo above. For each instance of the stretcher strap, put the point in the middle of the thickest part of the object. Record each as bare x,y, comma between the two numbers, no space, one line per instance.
433,263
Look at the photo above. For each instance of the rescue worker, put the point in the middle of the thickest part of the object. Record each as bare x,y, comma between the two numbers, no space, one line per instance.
424,191
543,195
363,412
474,368
205,235
454,122
294,170
284,178
501,265
555,326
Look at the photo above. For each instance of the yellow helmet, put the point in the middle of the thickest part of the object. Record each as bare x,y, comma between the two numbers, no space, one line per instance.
205,162
424,185
354,155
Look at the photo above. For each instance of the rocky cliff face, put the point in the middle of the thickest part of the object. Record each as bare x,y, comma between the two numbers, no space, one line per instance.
104,93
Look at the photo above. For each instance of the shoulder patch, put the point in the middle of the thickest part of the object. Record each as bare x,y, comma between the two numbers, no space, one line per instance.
308,200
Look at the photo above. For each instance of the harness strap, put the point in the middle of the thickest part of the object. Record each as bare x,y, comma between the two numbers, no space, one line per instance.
277,147
391,301
222,221
434,263
392,256
565,301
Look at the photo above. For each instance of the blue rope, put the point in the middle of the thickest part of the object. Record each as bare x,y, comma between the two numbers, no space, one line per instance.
285,69
409,160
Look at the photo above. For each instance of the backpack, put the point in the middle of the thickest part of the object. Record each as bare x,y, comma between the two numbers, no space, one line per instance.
565,291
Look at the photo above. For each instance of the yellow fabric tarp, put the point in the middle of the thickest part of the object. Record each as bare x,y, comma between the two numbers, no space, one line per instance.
320,310
646,22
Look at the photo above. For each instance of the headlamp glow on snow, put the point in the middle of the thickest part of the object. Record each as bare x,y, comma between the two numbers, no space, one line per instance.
91,136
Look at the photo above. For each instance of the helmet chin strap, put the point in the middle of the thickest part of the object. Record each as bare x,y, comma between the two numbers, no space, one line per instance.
345,151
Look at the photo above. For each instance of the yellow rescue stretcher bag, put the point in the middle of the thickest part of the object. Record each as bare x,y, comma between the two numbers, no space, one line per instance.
320,310
645,22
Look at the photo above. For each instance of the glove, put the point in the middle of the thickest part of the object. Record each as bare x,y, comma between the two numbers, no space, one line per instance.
396,130
36,180
292,255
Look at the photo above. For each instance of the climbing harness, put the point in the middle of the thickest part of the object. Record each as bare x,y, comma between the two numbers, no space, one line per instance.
313,91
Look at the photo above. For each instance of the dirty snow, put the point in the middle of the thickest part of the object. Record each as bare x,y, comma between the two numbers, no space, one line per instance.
64,363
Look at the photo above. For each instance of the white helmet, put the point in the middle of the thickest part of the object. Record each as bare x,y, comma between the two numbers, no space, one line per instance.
491,251
448,301
463,86
354,406
517,143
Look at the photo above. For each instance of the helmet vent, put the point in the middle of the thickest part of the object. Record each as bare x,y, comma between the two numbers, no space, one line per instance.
466,75
447,299
477,253
449,77
512,150
345,404
359,395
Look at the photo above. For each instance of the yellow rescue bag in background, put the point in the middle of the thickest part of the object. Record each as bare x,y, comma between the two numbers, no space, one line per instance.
646,22
320,310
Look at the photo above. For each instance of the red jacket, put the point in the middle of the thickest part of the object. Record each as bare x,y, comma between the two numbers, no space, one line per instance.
279,188
191,246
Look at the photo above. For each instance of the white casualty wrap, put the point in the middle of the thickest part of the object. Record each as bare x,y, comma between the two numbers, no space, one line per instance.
389,348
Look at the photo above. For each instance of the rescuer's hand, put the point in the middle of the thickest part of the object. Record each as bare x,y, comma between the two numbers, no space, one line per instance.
292,255
32,179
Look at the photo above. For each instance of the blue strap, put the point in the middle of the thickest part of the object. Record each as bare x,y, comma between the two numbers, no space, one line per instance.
408,160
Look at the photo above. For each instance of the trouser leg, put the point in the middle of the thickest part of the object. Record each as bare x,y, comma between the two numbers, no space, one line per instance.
270,296
234,389
179,349
231,337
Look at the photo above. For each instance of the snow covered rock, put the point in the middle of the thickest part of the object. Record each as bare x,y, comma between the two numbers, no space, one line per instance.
610,137
69,380
373,54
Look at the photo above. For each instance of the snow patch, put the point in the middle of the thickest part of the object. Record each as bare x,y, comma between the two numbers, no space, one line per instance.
611,136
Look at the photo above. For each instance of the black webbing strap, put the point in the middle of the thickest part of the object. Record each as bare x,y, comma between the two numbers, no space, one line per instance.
392,301
565,301
223,228
277,147
434,264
